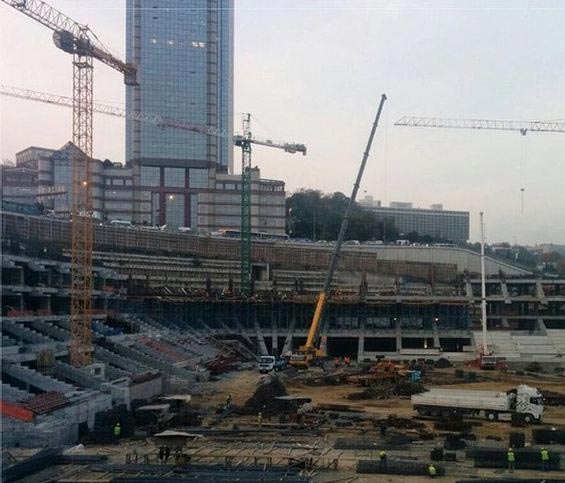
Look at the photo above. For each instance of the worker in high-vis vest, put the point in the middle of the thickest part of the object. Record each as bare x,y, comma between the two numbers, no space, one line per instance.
382,459
432,470
260,419
511,460
117,430
544,459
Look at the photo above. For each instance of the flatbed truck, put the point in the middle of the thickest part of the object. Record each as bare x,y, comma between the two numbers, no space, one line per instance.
524,402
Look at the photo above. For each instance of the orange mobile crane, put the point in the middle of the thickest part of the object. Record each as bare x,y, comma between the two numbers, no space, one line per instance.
310,351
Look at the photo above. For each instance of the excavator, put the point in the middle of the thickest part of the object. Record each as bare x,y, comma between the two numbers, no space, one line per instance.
311,353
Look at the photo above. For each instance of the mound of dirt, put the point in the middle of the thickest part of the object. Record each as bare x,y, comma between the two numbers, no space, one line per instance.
263,400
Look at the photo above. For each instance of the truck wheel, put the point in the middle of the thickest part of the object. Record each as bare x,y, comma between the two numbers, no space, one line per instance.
492,416
528,418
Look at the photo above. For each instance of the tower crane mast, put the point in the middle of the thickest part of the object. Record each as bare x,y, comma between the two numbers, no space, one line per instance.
79,41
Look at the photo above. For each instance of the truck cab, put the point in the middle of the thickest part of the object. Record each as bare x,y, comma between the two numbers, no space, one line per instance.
529,402
271,363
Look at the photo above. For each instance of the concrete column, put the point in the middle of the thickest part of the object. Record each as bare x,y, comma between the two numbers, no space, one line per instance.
398,335
260,339
436,336
469,289
275,337
288,341
361,344
505,294
541,326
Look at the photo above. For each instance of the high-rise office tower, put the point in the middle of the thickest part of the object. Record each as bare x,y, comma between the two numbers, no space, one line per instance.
183,50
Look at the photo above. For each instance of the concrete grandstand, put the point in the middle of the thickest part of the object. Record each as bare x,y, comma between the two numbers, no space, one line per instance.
167,310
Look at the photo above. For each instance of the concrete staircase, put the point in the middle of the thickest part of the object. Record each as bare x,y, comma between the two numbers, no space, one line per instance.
124,363
24,333
516,345
535,346
500,342
37,380
113,373
8,341
76,375
557,338
154,363
13,394
51,330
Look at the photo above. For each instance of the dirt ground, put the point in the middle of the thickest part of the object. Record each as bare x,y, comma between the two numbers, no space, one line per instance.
319,441
242,385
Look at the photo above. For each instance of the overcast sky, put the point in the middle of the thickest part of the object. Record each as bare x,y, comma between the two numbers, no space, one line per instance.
313,72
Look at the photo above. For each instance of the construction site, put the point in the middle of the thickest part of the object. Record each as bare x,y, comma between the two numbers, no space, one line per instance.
176,346
139,353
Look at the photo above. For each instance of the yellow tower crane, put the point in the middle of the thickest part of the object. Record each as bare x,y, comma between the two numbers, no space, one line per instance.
79,41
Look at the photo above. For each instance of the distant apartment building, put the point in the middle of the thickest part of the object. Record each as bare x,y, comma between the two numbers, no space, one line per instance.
214,203
183,50
435,221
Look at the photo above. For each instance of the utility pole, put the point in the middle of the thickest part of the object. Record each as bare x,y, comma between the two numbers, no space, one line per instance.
483,289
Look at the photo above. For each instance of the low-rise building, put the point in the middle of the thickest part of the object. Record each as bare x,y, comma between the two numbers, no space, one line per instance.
202,199
434,221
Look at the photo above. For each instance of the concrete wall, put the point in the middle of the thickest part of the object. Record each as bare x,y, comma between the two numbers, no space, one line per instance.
464,259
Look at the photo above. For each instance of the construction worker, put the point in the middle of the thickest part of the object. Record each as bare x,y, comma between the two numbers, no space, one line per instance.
432,470
544,459
117,430
511,460
382,459
259,419
228,401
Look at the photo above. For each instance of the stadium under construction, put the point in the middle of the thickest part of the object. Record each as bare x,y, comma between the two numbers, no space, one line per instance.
167,313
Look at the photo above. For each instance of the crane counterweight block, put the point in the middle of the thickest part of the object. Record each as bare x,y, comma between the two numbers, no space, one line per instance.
67,42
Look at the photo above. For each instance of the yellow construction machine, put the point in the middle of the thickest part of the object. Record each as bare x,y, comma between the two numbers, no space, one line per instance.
310,352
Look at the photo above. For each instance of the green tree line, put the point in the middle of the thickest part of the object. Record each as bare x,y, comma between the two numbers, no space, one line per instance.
317,216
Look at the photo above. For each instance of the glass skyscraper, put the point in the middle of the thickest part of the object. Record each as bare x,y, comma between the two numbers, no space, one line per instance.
183,50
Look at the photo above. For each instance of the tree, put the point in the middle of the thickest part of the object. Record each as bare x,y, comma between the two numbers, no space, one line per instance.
317,216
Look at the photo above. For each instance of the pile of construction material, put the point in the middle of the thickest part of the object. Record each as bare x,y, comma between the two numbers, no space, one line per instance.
551,435
44,459
526,458
392,440
396,467
387,390
410,425
264,399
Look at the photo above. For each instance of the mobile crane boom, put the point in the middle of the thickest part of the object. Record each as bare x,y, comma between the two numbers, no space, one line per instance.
309,351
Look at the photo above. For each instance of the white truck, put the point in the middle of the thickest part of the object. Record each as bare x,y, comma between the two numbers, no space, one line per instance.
525,402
